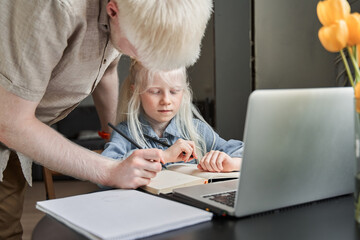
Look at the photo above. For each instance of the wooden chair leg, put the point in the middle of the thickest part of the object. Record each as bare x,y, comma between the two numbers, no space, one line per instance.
49,184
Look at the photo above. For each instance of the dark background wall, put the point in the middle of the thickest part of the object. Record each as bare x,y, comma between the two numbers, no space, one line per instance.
288,53
232,66
261,44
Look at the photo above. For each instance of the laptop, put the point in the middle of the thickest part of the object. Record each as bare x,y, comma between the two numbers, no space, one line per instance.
299,148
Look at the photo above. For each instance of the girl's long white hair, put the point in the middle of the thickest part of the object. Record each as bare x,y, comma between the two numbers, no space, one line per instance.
129,107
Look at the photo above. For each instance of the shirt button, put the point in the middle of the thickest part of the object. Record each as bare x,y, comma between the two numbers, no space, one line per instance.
104,61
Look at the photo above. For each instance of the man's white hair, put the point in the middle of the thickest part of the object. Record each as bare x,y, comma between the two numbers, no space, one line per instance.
167,34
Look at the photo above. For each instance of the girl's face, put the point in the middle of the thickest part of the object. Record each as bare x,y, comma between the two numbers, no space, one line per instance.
160,101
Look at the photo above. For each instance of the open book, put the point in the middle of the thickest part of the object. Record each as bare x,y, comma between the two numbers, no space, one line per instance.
183,175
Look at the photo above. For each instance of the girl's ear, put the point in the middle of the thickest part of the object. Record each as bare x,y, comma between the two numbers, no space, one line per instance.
132,87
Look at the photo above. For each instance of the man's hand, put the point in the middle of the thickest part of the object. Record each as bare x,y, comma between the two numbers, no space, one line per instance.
216,161
181,150
136,170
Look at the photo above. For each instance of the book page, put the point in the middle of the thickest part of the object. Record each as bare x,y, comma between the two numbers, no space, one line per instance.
191,169
166,180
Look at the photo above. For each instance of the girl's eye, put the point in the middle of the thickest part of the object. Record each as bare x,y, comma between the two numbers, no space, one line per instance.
154,91
175,91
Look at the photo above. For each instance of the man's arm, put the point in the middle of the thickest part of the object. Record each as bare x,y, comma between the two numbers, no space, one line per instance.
22,131
105,96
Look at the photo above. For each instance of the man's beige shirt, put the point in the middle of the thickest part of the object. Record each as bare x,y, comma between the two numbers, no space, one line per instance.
52,52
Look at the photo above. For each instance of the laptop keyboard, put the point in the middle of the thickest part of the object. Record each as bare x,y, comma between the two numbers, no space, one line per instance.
226,198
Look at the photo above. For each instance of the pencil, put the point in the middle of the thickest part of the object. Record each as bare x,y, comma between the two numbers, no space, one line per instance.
157,140
124,135
129,139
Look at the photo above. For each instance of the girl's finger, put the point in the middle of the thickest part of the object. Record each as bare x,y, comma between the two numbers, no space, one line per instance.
213,161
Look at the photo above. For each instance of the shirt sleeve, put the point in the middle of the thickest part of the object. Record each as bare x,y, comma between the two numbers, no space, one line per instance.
118,147
232,147
32,41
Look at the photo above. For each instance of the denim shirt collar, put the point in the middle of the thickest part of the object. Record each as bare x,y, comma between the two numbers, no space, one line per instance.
170,130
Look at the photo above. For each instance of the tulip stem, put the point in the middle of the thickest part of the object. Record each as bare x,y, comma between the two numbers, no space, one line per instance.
347,68
356,53
354,62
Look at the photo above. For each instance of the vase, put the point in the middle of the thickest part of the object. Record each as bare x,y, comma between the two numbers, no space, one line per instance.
357,155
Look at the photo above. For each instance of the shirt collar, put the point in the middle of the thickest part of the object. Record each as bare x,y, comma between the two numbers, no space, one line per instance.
103,16
171,129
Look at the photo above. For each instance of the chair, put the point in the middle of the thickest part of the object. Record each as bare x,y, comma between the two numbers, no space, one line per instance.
49,183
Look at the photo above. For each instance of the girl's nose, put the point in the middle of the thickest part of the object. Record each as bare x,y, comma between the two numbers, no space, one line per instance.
165,99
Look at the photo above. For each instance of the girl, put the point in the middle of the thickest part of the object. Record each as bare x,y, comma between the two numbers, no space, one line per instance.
158,104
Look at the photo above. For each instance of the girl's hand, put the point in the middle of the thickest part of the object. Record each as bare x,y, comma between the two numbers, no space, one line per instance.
181,150
216,161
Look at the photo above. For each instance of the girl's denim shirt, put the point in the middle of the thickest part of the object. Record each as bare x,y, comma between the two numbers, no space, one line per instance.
119,148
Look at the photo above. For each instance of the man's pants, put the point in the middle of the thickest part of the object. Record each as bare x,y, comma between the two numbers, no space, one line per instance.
12,191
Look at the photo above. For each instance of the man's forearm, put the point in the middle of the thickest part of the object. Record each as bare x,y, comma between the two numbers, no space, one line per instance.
47,147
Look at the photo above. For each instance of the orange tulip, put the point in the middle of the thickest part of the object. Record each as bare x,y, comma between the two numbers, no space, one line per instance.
334,37
329,11
353,24
357,90
357,97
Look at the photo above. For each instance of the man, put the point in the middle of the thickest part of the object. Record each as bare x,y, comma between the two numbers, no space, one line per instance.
53,53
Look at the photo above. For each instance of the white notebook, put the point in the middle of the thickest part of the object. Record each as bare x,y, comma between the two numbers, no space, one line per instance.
191,169
122,214
183,175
